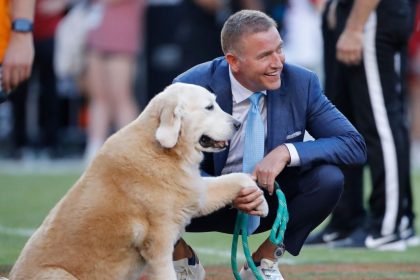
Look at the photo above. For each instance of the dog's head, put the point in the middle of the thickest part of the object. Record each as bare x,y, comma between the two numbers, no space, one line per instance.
190,112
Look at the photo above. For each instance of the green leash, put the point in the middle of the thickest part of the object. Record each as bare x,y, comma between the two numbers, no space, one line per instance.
276,235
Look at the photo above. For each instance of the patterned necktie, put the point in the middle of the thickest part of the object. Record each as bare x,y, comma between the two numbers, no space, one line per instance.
254,146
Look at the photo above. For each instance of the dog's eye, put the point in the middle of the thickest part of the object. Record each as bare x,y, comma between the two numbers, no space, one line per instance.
210,107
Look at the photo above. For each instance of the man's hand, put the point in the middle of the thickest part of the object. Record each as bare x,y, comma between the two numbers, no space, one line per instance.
266,171
350,43
349,47
248,200
17,63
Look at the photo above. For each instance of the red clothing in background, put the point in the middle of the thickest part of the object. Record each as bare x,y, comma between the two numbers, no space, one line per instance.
414,43
44,25
120,28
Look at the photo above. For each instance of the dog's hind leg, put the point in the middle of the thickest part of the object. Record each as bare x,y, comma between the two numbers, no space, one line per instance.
50,273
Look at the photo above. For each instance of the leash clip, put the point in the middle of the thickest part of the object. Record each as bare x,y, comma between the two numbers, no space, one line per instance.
279,250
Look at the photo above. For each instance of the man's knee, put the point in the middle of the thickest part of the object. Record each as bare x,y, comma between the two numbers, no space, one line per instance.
331,179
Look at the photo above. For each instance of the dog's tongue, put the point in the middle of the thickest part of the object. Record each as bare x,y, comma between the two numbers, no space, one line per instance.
221,144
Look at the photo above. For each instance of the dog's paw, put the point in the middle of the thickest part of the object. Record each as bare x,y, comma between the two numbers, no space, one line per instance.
263,209
246,181
243,180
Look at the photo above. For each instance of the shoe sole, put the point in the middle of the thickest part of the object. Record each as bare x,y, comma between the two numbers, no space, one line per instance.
393,246
413,241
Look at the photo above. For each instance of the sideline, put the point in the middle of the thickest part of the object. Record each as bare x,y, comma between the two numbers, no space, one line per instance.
29,166
21,232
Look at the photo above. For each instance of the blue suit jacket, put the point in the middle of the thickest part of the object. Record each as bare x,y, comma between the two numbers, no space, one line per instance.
298,105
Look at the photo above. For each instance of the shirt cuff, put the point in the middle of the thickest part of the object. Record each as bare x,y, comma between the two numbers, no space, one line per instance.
294,156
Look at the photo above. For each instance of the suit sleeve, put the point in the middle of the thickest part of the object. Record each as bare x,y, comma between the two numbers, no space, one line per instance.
336,139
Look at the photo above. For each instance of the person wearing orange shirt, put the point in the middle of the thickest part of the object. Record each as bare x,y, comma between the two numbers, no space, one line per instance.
16,43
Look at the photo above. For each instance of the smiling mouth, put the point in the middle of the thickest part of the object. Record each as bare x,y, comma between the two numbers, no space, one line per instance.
274,74
208,142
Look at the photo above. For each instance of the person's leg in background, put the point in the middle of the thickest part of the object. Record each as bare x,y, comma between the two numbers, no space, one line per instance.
379,115
19,134
99,110
120,83
414,108
349,215
414,86
407,226
387,203
49,117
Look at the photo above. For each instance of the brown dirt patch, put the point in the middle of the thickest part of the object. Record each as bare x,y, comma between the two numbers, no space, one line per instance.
333,271
321,272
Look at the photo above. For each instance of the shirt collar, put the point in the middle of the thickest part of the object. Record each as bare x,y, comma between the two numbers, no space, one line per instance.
239,92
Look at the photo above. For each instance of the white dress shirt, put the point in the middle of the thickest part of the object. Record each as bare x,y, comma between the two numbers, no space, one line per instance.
241,105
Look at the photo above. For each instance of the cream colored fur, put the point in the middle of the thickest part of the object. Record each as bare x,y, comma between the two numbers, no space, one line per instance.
133,202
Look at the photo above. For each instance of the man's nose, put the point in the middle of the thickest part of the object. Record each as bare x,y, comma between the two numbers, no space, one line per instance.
278,60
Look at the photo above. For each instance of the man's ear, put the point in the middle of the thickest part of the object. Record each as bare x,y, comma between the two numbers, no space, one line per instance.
170,124
233,61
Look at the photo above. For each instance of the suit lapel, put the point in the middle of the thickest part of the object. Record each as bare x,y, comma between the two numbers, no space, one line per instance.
278,115
220,86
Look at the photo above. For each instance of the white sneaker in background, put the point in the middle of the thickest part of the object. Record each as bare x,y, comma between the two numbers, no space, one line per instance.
268,269
408,233
392,242
189,268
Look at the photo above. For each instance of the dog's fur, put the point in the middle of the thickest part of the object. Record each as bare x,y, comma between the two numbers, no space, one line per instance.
133,202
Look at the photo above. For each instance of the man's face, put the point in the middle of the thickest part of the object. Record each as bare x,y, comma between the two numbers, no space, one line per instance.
259,60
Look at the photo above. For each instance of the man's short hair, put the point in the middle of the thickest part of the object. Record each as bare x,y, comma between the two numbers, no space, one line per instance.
241,23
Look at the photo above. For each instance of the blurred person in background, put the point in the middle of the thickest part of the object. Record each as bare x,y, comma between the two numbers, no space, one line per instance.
183,33
48,14
112,48
414,88
365,44
200,24
303,38
16,43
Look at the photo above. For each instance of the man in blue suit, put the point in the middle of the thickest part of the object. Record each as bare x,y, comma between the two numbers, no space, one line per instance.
292,102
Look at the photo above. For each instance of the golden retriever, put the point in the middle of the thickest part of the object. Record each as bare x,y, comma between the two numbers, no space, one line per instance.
133,202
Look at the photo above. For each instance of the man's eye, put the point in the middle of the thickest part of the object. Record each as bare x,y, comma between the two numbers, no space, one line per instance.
210,107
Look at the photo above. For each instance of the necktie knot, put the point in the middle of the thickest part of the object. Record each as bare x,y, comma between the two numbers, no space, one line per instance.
255,98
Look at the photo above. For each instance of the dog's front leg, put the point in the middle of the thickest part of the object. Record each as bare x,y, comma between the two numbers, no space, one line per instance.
223,189
157,250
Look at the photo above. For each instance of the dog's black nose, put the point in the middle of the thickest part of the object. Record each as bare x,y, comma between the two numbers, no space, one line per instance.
236,124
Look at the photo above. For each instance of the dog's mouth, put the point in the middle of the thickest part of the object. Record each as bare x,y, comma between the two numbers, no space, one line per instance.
208,142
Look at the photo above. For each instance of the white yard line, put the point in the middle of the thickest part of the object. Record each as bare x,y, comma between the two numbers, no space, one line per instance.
41,166
208,251
22,232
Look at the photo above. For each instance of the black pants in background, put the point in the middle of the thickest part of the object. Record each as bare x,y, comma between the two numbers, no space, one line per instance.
371,95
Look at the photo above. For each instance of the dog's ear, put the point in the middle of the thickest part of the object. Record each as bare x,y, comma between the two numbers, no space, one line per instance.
170,124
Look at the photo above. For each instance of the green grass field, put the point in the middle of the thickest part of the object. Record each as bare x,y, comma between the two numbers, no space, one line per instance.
25,199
